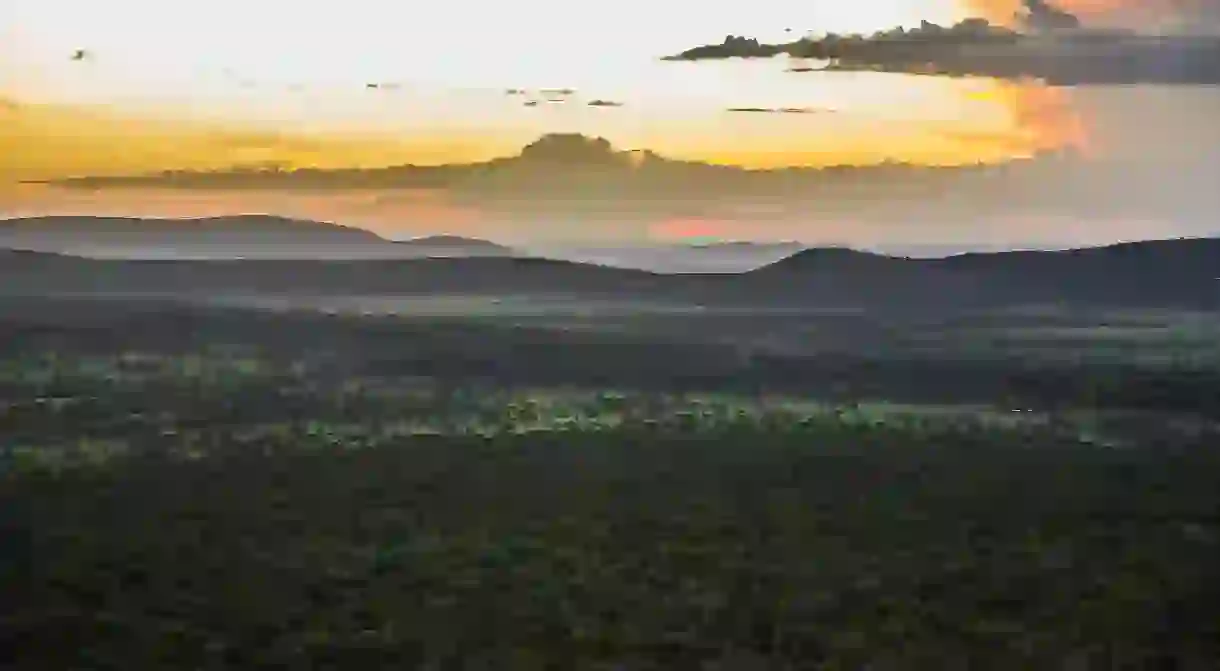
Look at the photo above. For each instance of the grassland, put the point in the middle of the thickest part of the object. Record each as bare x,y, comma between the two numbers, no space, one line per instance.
234,490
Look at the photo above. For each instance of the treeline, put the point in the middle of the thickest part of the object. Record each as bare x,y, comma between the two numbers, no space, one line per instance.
761,547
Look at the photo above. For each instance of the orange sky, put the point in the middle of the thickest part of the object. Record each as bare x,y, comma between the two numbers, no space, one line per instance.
157,95
108,116
393,214
986,121
982,121
1142,14
1001,11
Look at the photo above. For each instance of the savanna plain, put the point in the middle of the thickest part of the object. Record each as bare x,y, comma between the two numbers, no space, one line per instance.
200,486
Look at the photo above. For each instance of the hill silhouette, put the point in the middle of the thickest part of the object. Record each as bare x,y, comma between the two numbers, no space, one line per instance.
1182,272
455,243
245,236
711,257
257,228
1156,274
747,245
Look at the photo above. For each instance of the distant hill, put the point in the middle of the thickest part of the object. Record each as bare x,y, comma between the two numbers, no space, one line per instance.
246,236
838,261
453,245
746,245
1158,274
772,251
190,238
243,228
42,273
715,257
1182,271
1165,273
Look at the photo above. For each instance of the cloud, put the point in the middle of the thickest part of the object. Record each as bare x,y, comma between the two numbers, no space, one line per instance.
782,110
1170,16
389,213
573,188
1041,16
550,164
41,141
570,175
1078,54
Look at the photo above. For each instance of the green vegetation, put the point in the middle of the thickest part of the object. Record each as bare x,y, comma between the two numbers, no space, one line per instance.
226,501
824,545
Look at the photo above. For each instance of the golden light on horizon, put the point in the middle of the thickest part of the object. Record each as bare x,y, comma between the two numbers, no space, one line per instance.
171,100
1110,12
681,229
985,121
962,122
388,213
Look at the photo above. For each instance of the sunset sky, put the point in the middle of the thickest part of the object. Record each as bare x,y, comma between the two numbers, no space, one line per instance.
211,86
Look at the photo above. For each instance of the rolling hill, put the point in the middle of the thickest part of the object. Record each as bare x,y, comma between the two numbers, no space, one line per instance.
719,257
1156,274
246,236
453,245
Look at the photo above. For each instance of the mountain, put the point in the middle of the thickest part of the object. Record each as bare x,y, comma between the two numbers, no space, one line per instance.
454,245
175,238
716,257
1179,271
244,228
842,277
42,273
748,246
245,236
1159,274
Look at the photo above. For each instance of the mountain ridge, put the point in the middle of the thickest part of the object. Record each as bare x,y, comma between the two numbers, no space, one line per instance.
147,225
453,241
1181,273
222,236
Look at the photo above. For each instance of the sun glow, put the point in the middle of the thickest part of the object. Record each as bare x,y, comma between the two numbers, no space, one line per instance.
161,92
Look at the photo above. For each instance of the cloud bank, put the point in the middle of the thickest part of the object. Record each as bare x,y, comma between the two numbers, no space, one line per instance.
1047,43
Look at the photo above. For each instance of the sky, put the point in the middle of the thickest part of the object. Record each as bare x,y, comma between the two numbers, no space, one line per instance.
296,67
211,86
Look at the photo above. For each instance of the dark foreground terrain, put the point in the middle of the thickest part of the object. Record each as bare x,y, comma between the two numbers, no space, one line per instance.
204,488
